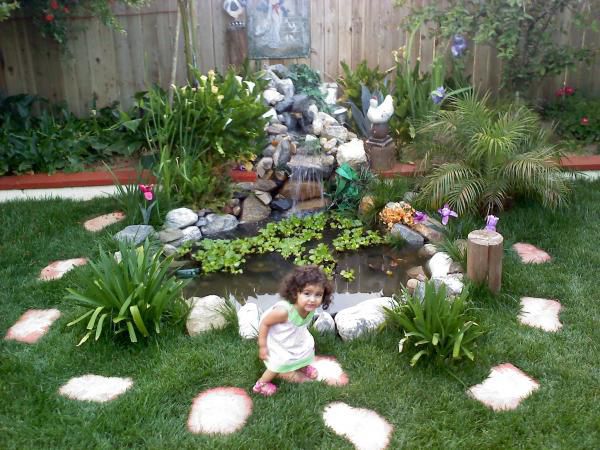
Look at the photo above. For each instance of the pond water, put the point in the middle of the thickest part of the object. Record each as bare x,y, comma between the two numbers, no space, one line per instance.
379,270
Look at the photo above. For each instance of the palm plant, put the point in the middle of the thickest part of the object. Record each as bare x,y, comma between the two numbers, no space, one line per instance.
487,155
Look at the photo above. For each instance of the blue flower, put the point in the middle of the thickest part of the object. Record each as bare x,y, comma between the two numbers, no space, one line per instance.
438,95
459,45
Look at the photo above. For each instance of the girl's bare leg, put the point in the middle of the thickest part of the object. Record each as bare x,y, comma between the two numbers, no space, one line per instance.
268,376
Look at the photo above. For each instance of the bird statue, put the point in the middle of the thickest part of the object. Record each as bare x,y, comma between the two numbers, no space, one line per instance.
380,113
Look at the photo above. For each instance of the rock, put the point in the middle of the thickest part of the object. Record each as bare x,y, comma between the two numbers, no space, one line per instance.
244,186
330,144
277,128
327,119
301,103
335,131
279,69
170,235
324,323
168,250
282,154
264,197
265,185
416,272
248,320
135,234
284,106
366,316
280,175
428,233
271,96
427,251
317,126
304,190
352,136
329,90
263,166
271,115
281,204
411,285
205,314
285,87
204,212
454,285
352,153
191,234
236,211
253,210
201,222
439,264
455,267
219,223
316,204
269,151
412,238
313,163
365,204
180,218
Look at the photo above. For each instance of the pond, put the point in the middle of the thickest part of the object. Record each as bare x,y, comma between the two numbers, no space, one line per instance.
379,270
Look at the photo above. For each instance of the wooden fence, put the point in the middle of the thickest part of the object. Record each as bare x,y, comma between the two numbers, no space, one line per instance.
111,65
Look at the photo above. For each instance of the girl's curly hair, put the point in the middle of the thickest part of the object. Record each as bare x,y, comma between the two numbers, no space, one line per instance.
301,276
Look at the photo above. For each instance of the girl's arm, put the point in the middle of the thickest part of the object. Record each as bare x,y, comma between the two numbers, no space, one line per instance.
277,315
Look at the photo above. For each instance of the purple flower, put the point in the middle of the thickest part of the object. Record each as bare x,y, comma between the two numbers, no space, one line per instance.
420,217
438,95
446,213
490,222
459,45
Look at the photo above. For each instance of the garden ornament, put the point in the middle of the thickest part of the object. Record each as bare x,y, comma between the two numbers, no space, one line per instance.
235,8
490,222
380,113
446,213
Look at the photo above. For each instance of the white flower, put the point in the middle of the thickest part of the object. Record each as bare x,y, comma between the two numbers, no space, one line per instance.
401,344
228,122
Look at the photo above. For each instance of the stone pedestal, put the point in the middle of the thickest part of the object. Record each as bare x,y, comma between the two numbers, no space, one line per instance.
381,152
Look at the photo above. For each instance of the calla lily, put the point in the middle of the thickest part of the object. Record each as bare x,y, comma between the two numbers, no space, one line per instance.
490,222
446,213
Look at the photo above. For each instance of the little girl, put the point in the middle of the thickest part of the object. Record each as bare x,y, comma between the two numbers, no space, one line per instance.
284,342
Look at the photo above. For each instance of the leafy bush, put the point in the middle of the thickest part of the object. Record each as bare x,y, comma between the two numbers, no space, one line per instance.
436,327
486,155
133,295
350,187
308,81
382,191
352,82
575,116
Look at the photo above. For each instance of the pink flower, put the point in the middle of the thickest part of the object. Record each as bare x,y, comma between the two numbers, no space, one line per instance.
584,121
54,4
560,92
147,189
49,17
569,90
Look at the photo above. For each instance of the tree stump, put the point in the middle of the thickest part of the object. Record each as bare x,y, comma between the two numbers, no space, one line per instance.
484,258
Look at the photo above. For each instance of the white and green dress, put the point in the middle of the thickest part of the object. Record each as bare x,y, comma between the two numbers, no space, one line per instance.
290,344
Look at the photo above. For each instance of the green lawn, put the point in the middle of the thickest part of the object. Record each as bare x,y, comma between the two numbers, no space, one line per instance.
427,407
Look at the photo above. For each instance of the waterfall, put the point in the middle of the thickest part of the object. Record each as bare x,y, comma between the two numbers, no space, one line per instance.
307,183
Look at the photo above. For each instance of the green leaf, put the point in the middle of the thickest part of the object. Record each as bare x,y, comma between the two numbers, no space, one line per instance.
92,321
99,326
80,318
417,356
84,338
132,336
139,322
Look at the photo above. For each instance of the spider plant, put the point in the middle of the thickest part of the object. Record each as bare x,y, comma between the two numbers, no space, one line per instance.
487,155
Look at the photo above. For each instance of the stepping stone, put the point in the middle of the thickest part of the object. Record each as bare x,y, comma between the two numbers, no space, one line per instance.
221,410
57,269
530,254
101,222
32,325
364,428
540,313
95,388
330,371
505,388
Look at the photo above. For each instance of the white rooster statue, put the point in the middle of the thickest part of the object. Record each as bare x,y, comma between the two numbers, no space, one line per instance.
381,113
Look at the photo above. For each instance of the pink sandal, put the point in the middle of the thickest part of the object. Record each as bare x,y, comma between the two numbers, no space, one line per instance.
309,372
265,389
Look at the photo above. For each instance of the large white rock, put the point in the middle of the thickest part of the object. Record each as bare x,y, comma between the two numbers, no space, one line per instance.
366,316
324,323
206,314
439,265
271,96
191,234
180,218
353,153
248,320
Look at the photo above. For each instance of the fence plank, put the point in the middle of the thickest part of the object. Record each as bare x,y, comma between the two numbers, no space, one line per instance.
331,40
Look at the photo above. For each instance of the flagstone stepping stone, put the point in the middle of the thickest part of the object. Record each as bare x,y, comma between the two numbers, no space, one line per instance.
95,388
364,428
505,388
530,254
540,313
221,410
57,269
330,372
101,222
32,325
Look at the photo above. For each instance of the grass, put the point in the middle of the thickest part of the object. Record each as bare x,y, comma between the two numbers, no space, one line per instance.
427,407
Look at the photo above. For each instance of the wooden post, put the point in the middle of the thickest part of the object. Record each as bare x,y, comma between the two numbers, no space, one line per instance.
484,258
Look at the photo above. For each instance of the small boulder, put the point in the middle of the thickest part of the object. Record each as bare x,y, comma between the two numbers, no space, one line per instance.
281,204
412,238
248,320
427,251
416,272
253,210
219,223
338,132
264,197
352,153
135,234
265,185
170,235
206,313
191,234
324,323
439,265
271,96
364,317
180,218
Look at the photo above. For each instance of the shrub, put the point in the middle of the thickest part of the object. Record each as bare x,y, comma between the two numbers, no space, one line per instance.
576,117
133,294
436,327
486,155
383,191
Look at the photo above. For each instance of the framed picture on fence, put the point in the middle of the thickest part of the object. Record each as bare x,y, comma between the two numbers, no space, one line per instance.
278,28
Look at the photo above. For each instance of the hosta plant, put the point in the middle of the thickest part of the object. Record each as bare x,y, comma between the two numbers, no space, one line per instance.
435,327
134,295
485,155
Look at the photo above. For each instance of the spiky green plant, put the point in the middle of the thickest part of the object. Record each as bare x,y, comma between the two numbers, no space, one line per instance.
487,155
